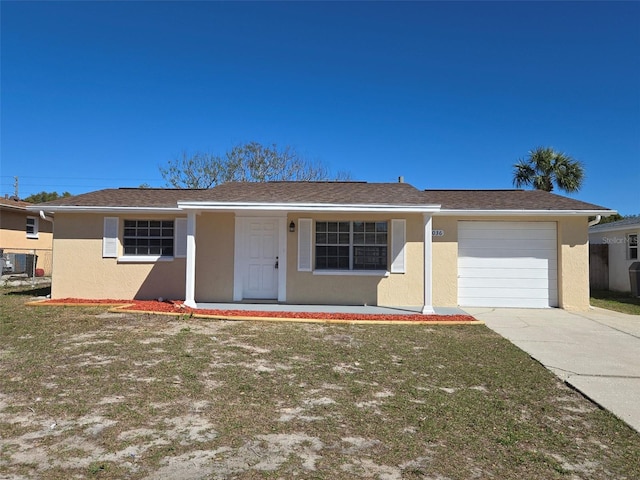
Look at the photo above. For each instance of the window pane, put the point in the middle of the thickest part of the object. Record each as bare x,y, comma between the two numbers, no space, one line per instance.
332,226
321,226
332,238
344,227
369,227
381,239
343,238
370,258
381,226
633,240
370,238
321,237
358,238
148,237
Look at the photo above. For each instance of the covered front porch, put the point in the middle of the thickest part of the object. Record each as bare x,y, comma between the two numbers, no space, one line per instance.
294,279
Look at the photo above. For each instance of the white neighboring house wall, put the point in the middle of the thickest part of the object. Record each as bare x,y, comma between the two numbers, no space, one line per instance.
617,238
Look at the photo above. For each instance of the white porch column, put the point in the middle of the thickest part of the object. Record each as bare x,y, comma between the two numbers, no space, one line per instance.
190,283
428,279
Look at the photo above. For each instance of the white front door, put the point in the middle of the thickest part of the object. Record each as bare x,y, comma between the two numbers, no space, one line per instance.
260,258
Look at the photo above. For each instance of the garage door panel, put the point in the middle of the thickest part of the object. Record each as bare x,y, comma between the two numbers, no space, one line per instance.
509,273
533,293
507,255
507,264
510,244
504,283
513,235
506,302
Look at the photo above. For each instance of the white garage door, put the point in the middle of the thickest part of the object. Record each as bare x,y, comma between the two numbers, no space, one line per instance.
507,264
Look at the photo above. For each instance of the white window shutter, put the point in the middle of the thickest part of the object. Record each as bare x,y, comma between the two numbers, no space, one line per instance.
180,238
110,238
398,241
304,245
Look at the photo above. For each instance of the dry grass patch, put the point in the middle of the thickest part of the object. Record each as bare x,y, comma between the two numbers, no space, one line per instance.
92,395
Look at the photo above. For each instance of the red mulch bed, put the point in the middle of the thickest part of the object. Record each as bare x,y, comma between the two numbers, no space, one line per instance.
169,306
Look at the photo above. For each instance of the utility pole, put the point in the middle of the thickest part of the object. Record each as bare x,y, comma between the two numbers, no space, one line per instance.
15,187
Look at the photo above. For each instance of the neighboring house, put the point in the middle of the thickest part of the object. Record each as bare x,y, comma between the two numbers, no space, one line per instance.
22,233
618,249
324,243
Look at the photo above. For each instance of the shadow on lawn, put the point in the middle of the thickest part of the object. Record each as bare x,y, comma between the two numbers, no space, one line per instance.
32,292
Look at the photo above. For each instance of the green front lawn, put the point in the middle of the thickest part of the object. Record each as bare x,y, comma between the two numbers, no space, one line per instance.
617,301
91,394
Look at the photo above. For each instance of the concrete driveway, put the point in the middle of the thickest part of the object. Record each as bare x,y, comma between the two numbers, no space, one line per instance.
597,352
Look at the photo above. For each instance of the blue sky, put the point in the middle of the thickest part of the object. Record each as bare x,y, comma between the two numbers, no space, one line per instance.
447,94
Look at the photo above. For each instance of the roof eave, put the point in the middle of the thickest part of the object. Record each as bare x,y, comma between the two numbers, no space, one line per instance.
522,212
102,209
307,207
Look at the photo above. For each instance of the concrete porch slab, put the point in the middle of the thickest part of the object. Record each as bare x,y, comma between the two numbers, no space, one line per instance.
356,309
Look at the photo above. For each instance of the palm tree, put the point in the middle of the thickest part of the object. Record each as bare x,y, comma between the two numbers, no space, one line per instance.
544,167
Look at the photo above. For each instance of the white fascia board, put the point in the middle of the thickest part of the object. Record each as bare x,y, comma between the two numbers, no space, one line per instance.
604,229
496,213
306,207
115,210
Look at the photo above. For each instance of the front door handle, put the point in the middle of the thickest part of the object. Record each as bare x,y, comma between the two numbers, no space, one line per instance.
276,263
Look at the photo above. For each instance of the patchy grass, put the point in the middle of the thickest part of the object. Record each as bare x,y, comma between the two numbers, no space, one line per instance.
90,394
617,301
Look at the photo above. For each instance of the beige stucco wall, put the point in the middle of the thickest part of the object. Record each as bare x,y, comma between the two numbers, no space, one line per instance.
13,233
13,237
619,262
396,289
573,258
445,262
215,234
80,271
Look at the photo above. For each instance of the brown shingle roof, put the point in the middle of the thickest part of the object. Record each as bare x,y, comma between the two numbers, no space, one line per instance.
353,193
14,204
347,193
504,200
350,193
127,197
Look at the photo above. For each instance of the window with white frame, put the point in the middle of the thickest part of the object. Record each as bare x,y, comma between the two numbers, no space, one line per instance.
148,238
32,227
355,245
632,246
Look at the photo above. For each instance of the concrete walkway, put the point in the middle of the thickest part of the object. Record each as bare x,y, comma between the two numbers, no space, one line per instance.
596,352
